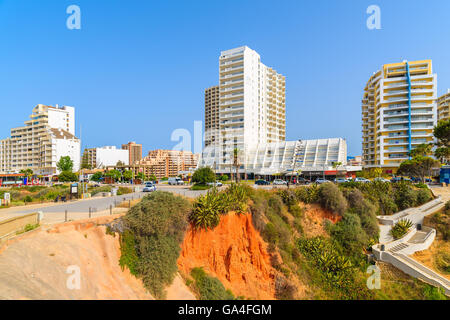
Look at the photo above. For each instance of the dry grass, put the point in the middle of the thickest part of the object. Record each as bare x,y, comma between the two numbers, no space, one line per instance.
128,204
436,257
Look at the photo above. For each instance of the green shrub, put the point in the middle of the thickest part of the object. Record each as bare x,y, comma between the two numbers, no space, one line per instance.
387,205
401,228
28,199
288,196
158,224
404,196
237,196
224,178
433,293
124,190
203,175
295,210
309,194
30,227
67,176
331,198
447,207
270,234
350,233
129,257
200,187
209,288
442,261
366,211
423,196
335,269
207,211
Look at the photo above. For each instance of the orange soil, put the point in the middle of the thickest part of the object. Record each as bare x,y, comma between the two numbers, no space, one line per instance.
313,222
235,253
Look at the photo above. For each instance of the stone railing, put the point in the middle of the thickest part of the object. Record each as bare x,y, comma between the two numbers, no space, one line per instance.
10,227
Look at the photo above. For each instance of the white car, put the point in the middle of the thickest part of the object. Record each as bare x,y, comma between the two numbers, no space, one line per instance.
279,182
362,180
175,182
149,187
215,184
381,180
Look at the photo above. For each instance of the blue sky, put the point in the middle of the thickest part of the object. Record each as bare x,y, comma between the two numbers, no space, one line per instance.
137,70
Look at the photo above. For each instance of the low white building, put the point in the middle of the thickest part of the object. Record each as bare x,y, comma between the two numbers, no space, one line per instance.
284,157
105,156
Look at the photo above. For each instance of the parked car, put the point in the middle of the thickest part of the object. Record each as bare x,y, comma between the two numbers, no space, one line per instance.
340,180
320,181
175,181
398,179
215,184
149,187
279,182
381,179
362,180
302,181
261,182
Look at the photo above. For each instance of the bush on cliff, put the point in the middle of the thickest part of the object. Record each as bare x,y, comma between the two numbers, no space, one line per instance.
209,207
209,288
157,224
331,198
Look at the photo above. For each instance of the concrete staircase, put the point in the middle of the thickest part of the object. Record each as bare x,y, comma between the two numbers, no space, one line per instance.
398,247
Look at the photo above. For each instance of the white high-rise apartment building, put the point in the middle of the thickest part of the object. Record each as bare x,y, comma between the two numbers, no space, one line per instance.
41,142
252,107
252,119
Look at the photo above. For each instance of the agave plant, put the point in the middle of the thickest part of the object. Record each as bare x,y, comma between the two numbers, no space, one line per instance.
206,213
401,228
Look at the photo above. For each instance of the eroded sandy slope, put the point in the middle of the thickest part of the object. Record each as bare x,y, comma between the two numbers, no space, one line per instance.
34,266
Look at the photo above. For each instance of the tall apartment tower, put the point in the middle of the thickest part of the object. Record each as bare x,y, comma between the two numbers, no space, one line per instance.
443,106
398,112
135,151
47,136
211,115
252,107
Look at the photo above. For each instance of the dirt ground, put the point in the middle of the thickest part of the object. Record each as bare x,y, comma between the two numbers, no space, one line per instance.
313,222
43,264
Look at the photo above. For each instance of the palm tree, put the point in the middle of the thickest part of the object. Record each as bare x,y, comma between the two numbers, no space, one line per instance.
236,162
27,172
336,166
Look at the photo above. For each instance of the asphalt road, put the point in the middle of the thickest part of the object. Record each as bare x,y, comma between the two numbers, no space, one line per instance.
103,203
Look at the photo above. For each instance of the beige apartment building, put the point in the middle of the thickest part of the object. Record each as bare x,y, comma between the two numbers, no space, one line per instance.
135,151
443,106
166,163
47,136
211,115
398,112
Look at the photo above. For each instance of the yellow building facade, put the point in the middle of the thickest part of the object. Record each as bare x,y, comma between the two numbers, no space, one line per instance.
398,112
443,105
